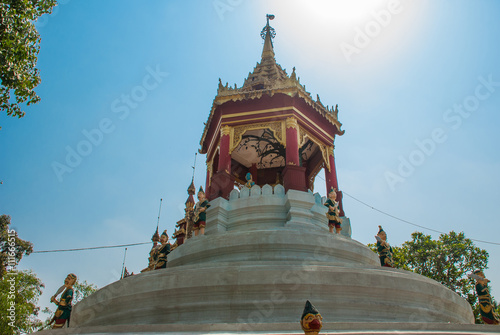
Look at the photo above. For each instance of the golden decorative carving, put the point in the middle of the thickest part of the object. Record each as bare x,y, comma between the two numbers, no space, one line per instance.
291,90
304,135
330,151
210,170
291,122
290,86
275,127
227,117
324,153
270,110
314,173
225,130
291,163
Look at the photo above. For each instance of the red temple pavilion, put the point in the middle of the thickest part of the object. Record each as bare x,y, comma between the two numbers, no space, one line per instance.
270,127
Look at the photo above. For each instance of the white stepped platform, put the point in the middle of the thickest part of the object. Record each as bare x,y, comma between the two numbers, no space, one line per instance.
341,328
264,254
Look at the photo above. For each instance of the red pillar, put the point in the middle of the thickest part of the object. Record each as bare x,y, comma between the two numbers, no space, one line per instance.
207,183
224,155
253,171
294,175
292,145
222,181
331,179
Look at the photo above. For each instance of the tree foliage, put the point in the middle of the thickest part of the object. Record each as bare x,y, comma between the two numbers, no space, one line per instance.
12,248
19,293
447,260
19,48
82,290
22,289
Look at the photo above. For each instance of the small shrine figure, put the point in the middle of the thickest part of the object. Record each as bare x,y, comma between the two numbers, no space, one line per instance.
384,249
162,251
63,311
151,259
311,320
486,308
200,214
249,179
334,220
158,254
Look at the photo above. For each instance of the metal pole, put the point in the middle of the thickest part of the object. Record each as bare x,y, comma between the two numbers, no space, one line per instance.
159,211
123,266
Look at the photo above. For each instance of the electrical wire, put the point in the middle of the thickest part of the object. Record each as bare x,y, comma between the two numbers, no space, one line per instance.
411,223
354,198
91,248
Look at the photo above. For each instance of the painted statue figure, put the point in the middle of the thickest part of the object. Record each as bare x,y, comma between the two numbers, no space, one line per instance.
334,220
486,308
158,254
311,321
63,311
249,179
200,214
384,249
162,251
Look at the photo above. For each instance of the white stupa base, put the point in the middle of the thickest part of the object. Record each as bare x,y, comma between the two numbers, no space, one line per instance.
264,254
340,328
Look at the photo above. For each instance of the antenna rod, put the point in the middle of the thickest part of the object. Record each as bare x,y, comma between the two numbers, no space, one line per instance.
159,211
194,166
123,266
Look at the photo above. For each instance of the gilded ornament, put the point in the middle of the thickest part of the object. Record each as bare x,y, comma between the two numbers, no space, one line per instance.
291,122
304,136
239,131
225,130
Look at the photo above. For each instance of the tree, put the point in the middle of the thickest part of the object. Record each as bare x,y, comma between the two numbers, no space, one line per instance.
19,48
19,294
19,290
447,260
82,290
12,248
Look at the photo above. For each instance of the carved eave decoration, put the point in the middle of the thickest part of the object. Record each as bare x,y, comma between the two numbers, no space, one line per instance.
290,86
180,222
179,232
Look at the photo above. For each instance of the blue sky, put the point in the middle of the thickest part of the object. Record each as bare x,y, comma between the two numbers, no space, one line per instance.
139,79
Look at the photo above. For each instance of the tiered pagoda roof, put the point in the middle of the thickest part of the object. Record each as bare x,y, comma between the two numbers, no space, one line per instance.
268,77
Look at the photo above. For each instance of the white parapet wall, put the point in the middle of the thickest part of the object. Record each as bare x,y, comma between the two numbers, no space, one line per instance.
268,208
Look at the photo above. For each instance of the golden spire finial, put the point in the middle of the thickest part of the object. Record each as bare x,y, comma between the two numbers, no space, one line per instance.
268,29
267,34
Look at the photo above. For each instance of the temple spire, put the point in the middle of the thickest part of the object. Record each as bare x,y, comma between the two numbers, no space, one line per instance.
266,73
267,35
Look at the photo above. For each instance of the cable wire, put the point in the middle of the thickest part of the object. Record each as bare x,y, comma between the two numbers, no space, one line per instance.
354,198
411,223
91,248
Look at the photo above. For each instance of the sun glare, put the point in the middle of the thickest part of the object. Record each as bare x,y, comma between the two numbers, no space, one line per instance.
349,11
